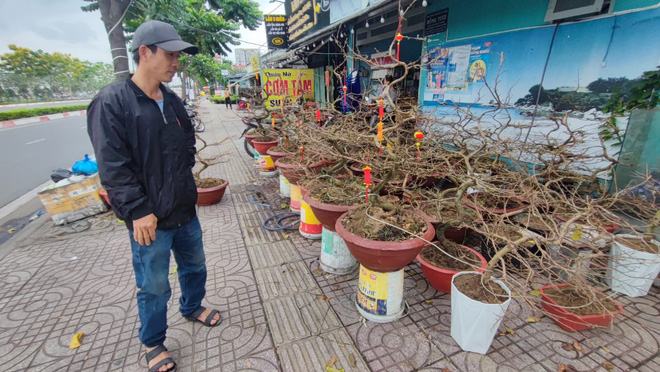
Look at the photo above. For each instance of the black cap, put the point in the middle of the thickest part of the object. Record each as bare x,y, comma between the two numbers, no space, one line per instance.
163,35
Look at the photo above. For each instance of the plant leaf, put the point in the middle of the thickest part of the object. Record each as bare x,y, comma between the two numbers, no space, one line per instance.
533,320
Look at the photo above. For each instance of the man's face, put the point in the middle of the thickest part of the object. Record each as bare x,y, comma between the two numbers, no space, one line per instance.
161,65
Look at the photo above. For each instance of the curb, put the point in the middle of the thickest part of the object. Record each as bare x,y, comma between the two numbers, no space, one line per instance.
39,119
42,103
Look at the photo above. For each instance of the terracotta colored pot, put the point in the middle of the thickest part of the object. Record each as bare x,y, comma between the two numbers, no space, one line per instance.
276,155
104,195
440,278
469,201
383,256
327,214
608,228
211,195
455,234
570,322
250,138
294,172
262,147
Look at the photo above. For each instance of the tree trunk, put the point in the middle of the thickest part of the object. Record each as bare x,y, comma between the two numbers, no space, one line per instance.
112,12
184,78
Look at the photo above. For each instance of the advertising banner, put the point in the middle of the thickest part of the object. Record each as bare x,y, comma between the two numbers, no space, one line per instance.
283,87
277,31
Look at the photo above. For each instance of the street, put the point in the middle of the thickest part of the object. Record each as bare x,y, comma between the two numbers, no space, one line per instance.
28,154
45,104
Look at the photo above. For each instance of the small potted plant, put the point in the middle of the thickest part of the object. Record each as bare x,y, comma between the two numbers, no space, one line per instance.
210,190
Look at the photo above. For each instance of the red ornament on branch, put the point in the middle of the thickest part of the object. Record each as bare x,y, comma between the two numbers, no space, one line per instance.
419,136
302,153
367,179
345,89
318,117
398,38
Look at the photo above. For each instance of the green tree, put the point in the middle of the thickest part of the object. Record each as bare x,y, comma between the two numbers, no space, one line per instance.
210,25
29,74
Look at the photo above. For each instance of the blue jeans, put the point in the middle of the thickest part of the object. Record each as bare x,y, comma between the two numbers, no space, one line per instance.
151,264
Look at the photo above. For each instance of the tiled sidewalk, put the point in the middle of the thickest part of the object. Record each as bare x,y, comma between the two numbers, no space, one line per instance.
281,312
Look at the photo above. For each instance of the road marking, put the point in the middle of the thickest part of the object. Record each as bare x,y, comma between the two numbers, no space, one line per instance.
33,142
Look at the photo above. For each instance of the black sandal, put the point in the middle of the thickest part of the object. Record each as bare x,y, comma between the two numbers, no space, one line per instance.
156,352
207,322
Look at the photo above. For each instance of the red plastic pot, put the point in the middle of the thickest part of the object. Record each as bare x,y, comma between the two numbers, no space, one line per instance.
455,234
383,256
440,278
609,228
294,172
327,214
570,322
262,147
250,138
276,155
212,195
470,202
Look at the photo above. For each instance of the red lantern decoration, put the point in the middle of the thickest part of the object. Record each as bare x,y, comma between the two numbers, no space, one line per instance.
302,153
381,109
367,179
273,123
299,123
380,137
398,38
318,117
345,89
419,136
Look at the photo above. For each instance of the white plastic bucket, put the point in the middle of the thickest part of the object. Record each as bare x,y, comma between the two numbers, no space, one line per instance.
380,295
473,323
256,159
285,187
310,227
335,256
632,272
267,166
296,198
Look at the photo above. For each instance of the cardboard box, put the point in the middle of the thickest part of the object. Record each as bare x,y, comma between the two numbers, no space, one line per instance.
75,201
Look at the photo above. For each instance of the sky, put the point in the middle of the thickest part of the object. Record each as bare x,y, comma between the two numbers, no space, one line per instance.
60,26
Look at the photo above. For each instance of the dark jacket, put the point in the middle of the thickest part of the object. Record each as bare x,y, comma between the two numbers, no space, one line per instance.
145,157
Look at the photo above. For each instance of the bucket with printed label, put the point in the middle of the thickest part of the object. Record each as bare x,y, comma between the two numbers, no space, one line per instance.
380,295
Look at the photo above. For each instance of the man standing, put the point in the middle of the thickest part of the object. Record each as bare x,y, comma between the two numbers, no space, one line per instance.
145,148
228,98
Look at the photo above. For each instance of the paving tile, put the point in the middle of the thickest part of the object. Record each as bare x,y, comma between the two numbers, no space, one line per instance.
254,233
285,280
298,317
313,353
273,254
399,345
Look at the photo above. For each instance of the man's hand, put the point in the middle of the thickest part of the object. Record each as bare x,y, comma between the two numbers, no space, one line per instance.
144,229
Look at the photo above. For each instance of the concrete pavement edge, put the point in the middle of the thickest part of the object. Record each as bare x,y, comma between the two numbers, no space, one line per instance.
22,200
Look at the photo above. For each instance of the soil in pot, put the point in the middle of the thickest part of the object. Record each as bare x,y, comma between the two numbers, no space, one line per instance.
285,149
581,302
488,292
406,218
264,139
639,245
343,192
207,183
436,258
298,160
